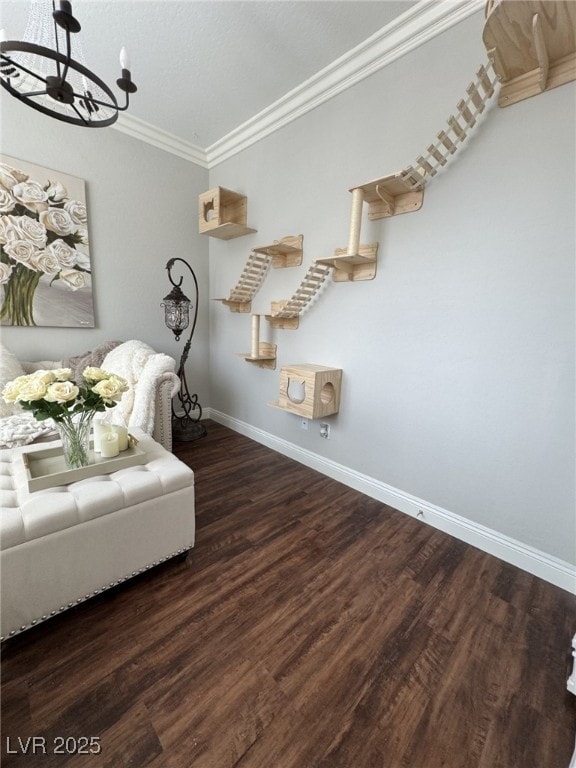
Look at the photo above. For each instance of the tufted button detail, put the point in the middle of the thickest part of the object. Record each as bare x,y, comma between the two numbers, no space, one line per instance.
29,517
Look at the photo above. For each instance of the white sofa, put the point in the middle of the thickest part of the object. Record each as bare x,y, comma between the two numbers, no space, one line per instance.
147,405
61,545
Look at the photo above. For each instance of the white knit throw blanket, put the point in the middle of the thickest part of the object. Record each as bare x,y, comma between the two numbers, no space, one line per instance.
22,429
141,366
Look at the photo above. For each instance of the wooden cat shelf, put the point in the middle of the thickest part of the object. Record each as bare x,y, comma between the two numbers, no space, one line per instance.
222,214
390,196
284,316
261,353
531,44
286,252
361,266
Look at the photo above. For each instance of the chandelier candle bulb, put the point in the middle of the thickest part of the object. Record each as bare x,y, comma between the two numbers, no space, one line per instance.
109,445
124,58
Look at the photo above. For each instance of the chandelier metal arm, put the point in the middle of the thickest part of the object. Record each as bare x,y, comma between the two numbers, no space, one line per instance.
19,66
29,94
34,93
71,88
80,115
67,57
57,57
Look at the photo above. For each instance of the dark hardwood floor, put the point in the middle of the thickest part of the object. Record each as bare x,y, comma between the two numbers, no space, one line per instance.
310,627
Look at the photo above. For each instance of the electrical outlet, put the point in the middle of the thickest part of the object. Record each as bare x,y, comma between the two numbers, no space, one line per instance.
303,423
325,430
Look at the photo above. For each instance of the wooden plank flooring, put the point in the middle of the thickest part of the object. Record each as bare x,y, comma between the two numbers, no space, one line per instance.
310,627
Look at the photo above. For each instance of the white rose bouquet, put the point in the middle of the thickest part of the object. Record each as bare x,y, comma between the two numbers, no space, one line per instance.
53,394
41,230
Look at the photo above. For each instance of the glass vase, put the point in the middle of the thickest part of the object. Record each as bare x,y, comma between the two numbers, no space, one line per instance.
75,436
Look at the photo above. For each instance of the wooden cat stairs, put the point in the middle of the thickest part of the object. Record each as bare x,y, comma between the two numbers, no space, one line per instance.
531,46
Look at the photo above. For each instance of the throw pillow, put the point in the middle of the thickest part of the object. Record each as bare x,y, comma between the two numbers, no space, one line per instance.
93,357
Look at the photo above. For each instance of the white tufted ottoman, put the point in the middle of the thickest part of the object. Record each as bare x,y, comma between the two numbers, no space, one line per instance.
60,546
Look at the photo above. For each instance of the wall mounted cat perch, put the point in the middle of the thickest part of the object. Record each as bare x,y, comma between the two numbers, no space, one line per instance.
531,46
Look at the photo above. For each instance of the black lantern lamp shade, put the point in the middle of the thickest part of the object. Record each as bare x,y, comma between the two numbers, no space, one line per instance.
176,311
186,424
41,71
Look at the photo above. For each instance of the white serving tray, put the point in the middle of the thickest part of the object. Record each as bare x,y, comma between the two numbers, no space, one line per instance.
46,468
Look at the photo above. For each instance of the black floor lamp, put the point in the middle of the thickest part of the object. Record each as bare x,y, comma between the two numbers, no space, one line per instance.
186,424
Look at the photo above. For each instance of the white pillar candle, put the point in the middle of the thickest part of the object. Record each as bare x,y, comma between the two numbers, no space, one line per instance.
109,445
100,428
122,434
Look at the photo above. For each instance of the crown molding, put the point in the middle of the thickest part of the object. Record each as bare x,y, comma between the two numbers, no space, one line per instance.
413,28
416,26
139,129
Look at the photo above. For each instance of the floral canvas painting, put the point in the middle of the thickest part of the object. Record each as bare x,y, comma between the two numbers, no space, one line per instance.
45,270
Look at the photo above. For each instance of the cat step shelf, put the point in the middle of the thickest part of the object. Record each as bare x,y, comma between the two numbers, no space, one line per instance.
390,196
264,358
286,252
361,266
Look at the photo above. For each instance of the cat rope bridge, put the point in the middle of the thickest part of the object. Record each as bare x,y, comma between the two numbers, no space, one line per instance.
388,196
459,126
285,314
249,282
403,192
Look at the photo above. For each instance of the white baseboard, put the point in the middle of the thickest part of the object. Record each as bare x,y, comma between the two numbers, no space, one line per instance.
547,567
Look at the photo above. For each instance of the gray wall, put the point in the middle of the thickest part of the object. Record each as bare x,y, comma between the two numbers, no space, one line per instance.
142,207
458,358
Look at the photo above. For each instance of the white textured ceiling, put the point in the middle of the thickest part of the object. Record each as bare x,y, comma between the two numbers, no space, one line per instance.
204,67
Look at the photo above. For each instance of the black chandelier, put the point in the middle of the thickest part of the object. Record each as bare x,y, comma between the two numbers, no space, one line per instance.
186,424
50,80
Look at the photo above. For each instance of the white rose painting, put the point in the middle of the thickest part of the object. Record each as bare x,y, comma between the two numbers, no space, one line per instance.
45,270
